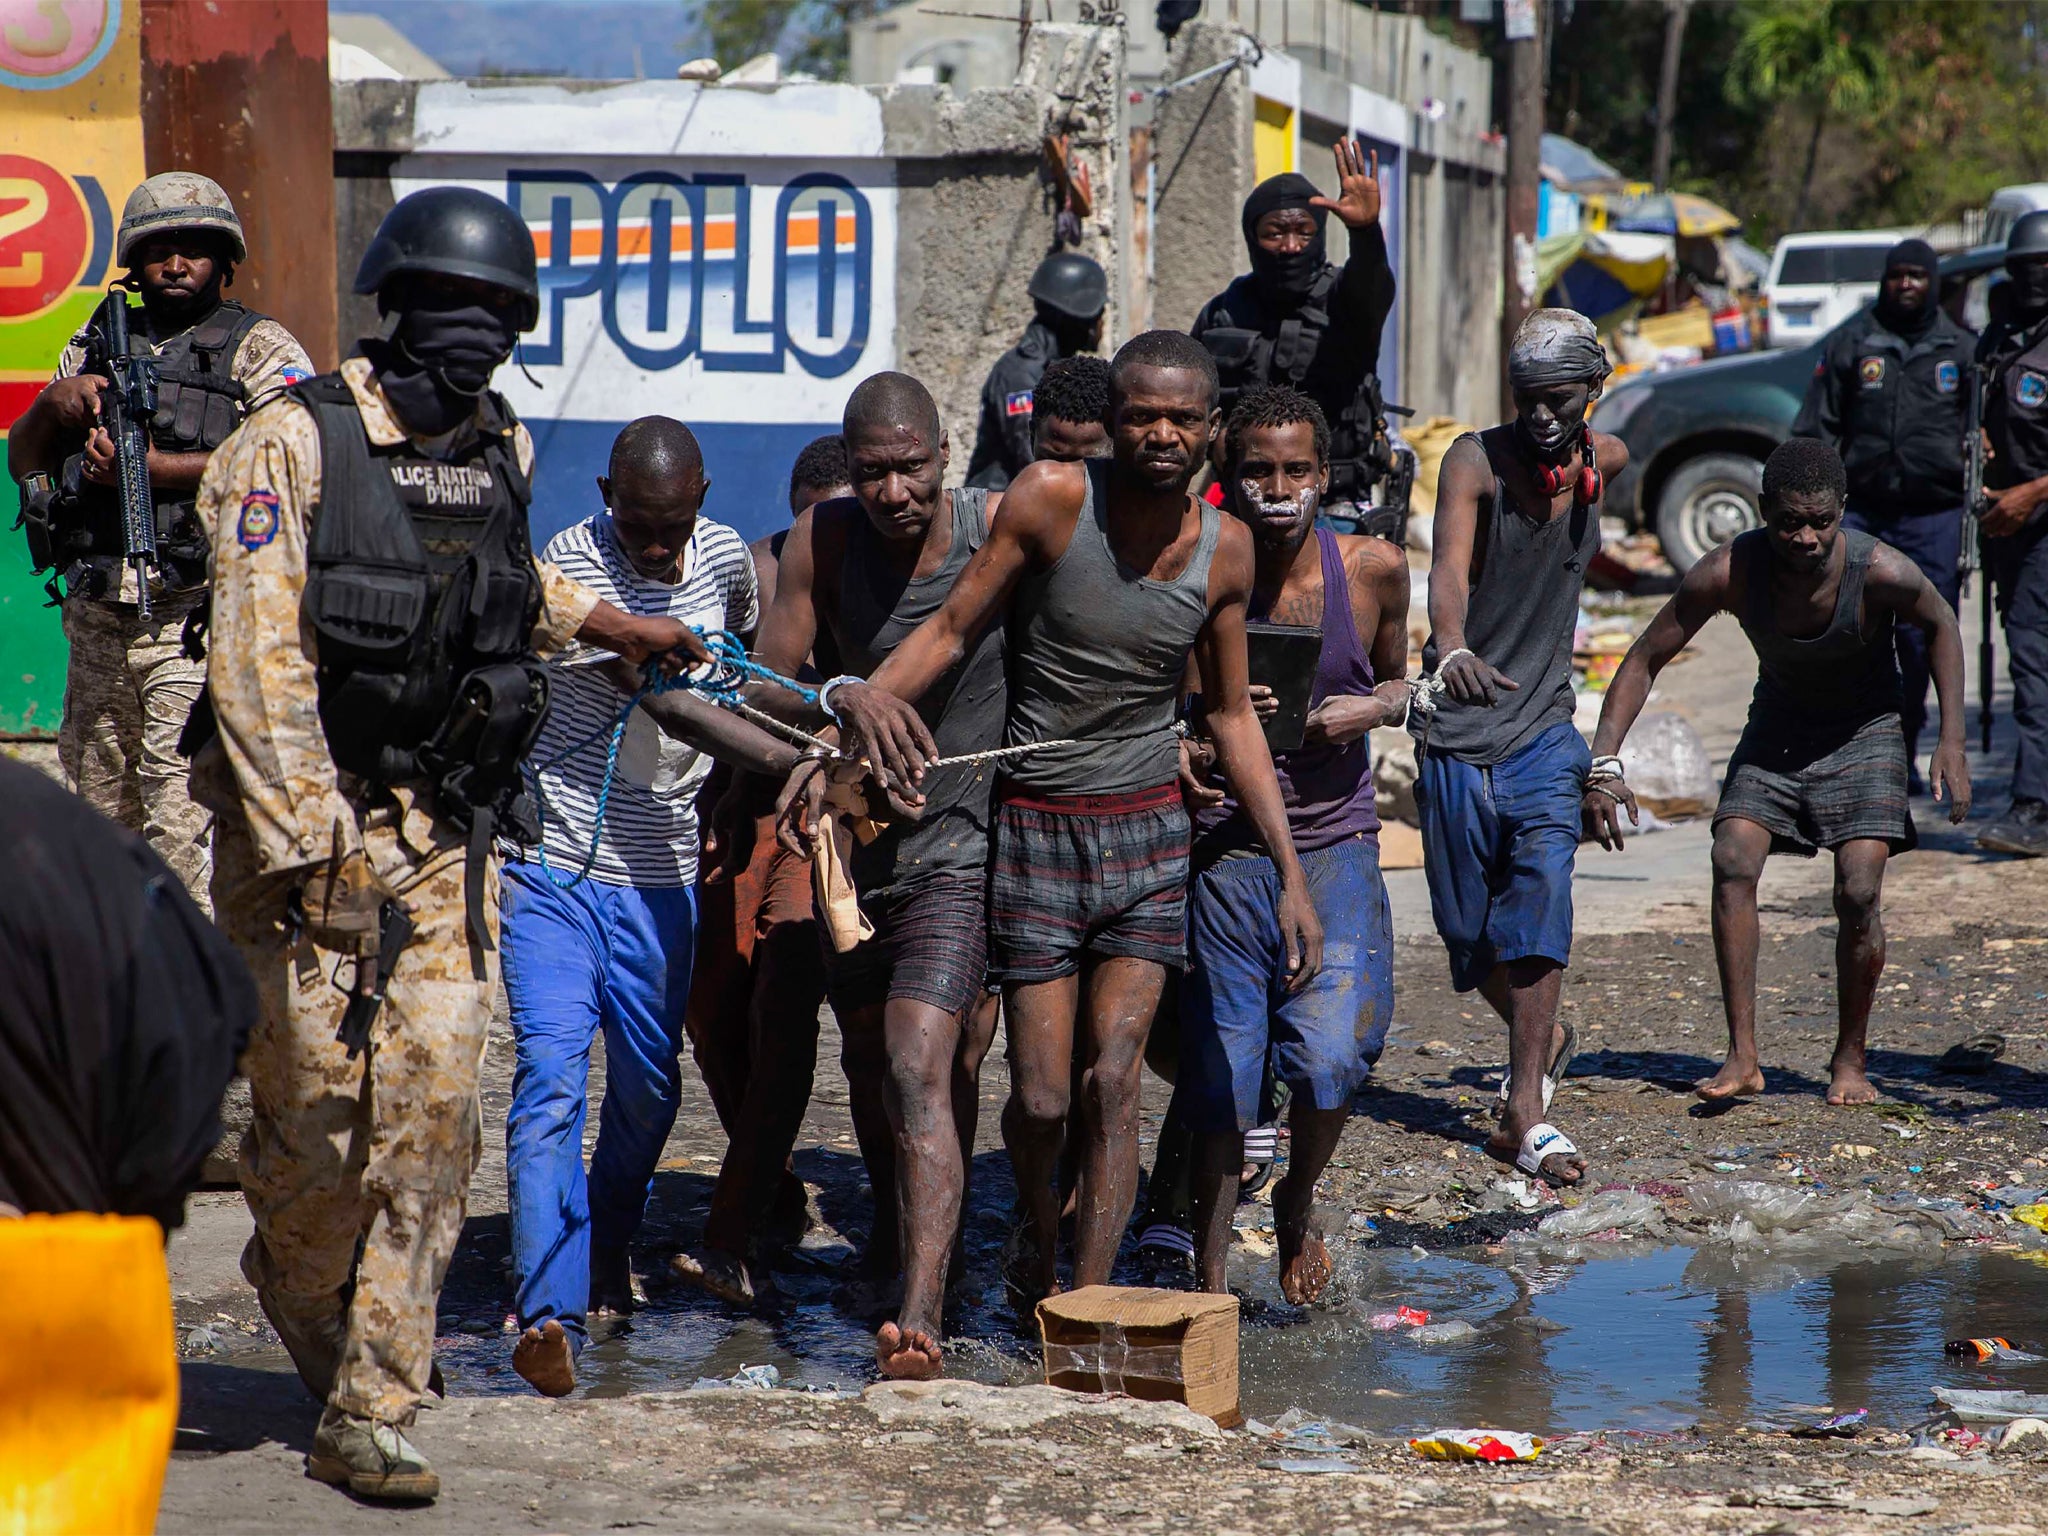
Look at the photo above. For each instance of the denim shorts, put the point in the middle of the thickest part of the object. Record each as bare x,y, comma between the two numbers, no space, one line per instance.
1498,844
1236,1009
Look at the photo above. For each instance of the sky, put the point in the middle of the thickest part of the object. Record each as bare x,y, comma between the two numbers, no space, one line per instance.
590,39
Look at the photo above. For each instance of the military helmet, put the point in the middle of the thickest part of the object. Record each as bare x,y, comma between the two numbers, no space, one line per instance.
177,200
1070,284
2028,240
455,232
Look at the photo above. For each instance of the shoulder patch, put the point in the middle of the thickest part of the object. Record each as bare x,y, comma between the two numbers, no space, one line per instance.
1947,376
292,373
1018,403
2032,389
258,523
1871,371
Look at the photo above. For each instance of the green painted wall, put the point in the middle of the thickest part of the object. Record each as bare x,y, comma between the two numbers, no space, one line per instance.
32,649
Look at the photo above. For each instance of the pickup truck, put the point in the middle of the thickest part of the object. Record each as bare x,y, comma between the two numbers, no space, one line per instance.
1697,437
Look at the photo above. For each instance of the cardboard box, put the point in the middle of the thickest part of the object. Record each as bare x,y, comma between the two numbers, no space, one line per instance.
1164,1346
1400,846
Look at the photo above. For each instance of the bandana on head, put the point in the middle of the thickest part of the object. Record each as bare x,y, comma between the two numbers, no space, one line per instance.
1555,346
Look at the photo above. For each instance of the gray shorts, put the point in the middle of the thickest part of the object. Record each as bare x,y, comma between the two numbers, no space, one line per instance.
1815,792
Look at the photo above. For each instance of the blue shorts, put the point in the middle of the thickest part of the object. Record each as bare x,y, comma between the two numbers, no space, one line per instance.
1235,1007
1497,847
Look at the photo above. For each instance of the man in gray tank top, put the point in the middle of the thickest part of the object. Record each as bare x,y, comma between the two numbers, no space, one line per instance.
1108,575
1822,761
1501,764
857,575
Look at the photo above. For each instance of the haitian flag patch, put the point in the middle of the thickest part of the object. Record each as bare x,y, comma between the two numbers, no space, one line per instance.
258,524
1018,404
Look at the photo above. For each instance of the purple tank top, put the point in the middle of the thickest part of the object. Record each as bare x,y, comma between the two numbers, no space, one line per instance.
1327,790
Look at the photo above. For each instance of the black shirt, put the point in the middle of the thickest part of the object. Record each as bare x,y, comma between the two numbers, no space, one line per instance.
2014,355
1002,443
1893,406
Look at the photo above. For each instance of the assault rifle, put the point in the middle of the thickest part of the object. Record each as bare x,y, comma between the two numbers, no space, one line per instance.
125,412
1971,559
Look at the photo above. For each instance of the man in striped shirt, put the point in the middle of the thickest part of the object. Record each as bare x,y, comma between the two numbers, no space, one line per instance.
599,932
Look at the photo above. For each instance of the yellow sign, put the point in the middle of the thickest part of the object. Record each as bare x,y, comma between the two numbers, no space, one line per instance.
71,99
1272,137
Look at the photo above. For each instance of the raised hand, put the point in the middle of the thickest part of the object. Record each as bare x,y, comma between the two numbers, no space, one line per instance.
1358,186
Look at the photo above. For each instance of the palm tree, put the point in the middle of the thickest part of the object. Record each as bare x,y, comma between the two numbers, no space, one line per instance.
1821,54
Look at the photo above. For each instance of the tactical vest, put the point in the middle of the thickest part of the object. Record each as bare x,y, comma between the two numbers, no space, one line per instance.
1360,452
199,404
422,591
2016,404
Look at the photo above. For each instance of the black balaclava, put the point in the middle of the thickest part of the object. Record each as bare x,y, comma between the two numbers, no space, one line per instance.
1289,276
439,359
2028,284
1911,324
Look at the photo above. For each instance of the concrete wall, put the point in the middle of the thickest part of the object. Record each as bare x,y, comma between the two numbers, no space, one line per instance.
684,266
1202,172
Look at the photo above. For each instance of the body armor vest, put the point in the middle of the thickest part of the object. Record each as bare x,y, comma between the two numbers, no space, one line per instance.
422,591
2016,403
199,404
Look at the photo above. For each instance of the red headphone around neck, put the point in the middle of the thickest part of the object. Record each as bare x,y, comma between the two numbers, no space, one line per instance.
1586,485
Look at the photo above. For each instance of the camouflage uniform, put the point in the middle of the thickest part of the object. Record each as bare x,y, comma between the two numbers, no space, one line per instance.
129,686
333,1160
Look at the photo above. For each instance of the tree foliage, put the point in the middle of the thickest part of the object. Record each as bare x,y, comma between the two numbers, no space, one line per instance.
809,35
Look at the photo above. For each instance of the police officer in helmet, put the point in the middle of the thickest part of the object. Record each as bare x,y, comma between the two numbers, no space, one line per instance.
378,619
129,685
2013,354
1069,292
1887,394
1298,319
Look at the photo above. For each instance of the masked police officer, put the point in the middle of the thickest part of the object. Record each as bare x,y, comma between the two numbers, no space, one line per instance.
2013,353
378,616
1298,319
129,685
1069,292
1887,394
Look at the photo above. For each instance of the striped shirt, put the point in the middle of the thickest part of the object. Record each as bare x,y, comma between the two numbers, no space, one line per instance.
650,824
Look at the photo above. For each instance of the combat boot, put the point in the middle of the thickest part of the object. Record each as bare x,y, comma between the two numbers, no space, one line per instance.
369,1459
2022,830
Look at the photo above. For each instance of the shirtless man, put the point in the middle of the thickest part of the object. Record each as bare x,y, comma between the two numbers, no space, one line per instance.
1822,762
1108,575
1501,764
1322,1040
858,575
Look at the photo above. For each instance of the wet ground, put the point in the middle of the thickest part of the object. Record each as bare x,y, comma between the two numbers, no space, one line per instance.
1669,1357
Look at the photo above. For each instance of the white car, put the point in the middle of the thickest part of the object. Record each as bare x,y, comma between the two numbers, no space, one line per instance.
1819,280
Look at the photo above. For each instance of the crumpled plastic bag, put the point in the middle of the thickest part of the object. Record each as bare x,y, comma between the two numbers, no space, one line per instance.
1666,764
1753,1213
1628,1211
1478,1445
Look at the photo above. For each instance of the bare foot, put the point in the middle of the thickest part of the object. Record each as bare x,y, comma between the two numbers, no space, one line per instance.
720,1273
544,1358
908,1354
1305,1271
611,1283
1737,1079
1848,1083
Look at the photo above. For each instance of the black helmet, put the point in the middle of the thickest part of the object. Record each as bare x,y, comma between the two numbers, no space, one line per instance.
1070,284
457,232
2028,240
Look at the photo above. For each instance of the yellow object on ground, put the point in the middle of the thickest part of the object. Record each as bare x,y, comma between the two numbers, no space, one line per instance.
89,1378
2035,1216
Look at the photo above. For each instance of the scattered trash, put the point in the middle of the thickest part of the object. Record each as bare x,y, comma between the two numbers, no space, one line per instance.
751,1377
1903,1132
1478,1445
2024,1437
1400,1317
1437,1048
2035,1216
1988,1349
1850,1149
200,1340
1843,1426
1668,767
1974,1056
1752,1213
1452,1332
1731,1167
1308,1464
1977,1405
1827,1498
1622,1211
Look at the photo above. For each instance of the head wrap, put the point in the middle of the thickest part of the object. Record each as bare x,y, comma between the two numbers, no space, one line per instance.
1555,346
1912,253
1291,274
1917,321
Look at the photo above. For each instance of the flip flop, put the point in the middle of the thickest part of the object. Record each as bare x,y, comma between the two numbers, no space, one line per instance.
1261,1151
1975,1055
1553,1076
1542,1140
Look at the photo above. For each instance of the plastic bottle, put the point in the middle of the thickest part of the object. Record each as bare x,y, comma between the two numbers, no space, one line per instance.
1989,1349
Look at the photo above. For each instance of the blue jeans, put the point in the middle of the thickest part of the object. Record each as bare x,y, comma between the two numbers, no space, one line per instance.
1934,542
1498,845
1235,1006
608,957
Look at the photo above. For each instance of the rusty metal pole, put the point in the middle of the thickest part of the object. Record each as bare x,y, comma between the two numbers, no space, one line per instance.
1525,151
239,93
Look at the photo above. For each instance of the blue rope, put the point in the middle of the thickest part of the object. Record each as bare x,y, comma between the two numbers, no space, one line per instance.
731,671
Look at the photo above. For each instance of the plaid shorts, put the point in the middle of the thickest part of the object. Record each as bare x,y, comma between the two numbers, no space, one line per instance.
1812,792
930,945
1103,873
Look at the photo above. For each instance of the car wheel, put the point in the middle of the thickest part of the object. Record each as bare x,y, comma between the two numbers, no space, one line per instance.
1706,502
